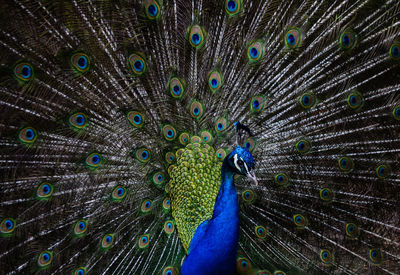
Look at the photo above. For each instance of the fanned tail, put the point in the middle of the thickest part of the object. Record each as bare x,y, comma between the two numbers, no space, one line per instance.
97,98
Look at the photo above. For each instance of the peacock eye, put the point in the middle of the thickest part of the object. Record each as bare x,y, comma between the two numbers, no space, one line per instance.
240,162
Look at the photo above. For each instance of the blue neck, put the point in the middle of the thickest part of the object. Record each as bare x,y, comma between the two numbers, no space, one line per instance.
226,194
214,245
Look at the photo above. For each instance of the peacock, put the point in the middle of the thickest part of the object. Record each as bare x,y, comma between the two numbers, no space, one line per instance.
200,137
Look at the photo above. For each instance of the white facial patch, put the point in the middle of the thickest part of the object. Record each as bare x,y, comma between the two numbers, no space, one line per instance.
235,160
245,166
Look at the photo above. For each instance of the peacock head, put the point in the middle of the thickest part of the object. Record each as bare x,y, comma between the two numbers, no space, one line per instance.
240,161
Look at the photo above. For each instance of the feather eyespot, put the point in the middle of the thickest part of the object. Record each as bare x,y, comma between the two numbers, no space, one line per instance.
243,265
221,124
352,230
248,196
326,194
107,241
137,64
215,81
300,221
142,155
355,100
184,138
80,62
394,51
293,38
221,154
170,157
256,104
93,161
80,228
196,109
143,241
146,206
80,271
206,136
169,227
375,255
27,135
78,120
7,227
396,112
118,193
158,178
348,40
197,36
135,119
176,87
261,232
383,171
152,9
303,146
263,272
255,51
44,259
346,164
281,179
307,100
326,256
166,204
233,7
250,144
169,132
170,270
279,272
23,72
44,191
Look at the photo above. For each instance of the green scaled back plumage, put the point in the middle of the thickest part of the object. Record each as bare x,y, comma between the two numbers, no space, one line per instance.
194,185
104,105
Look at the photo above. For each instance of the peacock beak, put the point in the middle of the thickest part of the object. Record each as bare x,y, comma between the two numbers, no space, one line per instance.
250,174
